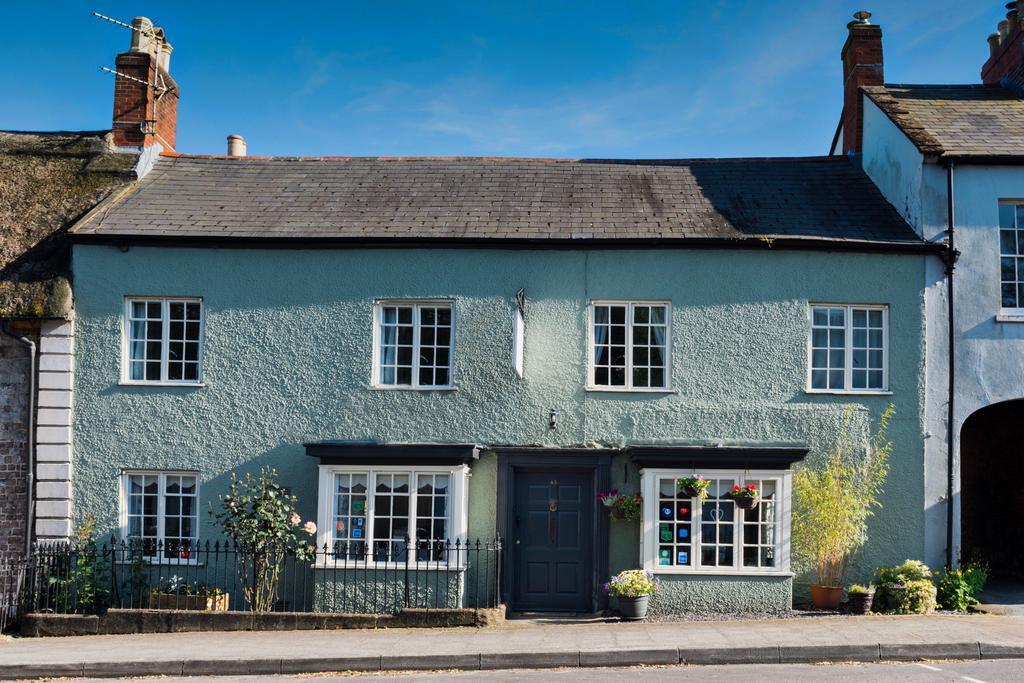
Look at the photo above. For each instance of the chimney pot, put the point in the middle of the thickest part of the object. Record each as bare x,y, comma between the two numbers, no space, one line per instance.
1011,22
141,35
236,146
993,45
1002,31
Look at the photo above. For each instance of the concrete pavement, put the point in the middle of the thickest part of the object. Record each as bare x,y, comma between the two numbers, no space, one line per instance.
520,645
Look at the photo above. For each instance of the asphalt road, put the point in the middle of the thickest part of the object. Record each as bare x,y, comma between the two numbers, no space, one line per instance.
987,671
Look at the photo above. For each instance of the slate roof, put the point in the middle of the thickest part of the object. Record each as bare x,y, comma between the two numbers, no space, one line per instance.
495,199
47,181
955,120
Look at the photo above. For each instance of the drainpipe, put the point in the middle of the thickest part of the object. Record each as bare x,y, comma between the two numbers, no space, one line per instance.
31,437
950,258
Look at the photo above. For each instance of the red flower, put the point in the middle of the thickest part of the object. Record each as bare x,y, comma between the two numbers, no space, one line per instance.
751,487
735,488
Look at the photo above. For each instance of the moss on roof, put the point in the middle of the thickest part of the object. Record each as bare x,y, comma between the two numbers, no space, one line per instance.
47,181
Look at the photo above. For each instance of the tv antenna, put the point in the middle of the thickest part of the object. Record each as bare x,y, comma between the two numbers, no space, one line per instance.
157,34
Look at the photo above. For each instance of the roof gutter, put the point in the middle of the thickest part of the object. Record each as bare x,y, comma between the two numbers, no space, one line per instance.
30,440
754,243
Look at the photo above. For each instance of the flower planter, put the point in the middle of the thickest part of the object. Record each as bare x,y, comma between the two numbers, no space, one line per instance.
633,609
616,513
689,492
826,597
860,603
192,603
745,502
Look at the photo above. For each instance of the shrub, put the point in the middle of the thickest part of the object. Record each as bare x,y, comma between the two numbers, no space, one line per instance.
632,583
959,590
259,515
857,589
833,501
905,589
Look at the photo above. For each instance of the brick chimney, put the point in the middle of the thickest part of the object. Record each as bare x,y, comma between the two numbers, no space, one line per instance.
862,65
1006,50
145,95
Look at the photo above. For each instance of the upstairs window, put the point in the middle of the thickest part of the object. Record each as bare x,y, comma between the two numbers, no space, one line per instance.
1011,258
849,348
629,346
163,341
414,345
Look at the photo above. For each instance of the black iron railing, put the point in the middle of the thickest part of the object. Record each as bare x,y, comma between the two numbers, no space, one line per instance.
357,577
12,574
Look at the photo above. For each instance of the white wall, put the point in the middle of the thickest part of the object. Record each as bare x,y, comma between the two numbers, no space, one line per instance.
989,353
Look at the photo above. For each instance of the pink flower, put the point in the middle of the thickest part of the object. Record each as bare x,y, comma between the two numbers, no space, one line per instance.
310,528
295,519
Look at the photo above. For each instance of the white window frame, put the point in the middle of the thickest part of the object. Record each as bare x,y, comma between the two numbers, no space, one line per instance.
165,309
649,525
1009,312
458,512
161,516
416,304
848,349
628,387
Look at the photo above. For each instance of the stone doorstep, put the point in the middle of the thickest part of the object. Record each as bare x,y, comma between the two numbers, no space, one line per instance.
519,660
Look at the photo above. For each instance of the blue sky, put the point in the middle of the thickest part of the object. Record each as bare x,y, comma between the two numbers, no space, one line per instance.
632,79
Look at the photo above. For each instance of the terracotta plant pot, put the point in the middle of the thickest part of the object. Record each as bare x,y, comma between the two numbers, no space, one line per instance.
633,609
826,597
860,603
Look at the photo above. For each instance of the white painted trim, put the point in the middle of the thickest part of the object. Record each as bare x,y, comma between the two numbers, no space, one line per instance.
518,342
165,301
457,520
649,523
589,385
122,519
886,390
378,312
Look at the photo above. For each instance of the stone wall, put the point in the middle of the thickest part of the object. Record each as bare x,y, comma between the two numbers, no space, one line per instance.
14,405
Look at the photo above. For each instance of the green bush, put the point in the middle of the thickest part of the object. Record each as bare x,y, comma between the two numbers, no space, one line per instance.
905,589
959,590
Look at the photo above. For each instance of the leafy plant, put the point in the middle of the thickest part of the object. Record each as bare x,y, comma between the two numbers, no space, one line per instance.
84,585
259,515
627,506
858,589
748,491
959,589
833,501
905,589
633,583
177,585
696,484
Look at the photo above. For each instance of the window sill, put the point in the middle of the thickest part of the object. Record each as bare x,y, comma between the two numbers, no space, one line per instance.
850,392
672,571
377,387
178,385
1014,317
624,390
422,566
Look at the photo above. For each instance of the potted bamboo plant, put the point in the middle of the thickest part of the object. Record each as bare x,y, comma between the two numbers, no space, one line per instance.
833,500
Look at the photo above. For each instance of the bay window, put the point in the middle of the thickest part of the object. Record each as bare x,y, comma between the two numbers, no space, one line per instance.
684,535
389,514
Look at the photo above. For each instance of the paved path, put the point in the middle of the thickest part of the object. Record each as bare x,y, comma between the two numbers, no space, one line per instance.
520,645
1004,596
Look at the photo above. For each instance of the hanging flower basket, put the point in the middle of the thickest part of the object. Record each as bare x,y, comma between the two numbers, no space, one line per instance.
693,487
621,506
746,497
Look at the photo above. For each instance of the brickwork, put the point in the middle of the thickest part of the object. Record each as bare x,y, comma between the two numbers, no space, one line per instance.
862,66
1008,58
144,115
14,406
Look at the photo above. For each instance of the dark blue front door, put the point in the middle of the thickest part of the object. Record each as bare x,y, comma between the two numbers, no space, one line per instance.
553,542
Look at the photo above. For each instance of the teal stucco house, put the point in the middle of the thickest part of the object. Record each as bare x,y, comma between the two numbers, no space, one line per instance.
458,348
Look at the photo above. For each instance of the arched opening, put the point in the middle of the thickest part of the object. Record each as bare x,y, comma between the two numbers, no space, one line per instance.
992,487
